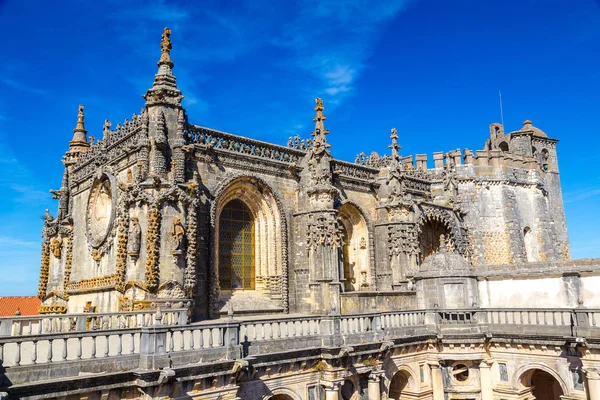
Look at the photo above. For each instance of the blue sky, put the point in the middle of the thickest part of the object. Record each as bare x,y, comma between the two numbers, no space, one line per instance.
431,68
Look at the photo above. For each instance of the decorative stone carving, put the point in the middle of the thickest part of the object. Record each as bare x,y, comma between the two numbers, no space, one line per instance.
152,248
134,242
68,259
44,270
324,230
101,211
177,237
56,246
121,263
192,242
171,290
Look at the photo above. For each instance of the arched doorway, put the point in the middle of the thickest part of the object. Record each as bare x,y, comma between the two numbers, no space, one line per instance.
400,386
543,385
236,247
355,250
429,237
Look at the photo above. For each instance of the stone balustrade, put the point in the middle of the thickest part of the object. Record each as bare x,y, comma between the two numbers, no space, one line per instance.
153,344
64,323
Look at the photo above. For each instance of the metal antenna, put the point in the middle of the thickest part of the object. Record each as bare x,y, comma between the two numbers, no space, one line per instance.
501,113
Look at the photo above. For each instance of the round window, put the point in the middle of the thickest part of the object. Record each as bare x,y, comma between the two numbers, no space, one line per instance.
460,372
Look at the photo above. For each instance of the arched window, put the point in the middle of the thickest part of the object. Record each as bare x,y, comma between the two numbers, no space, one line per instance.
236,247
503,146
545,157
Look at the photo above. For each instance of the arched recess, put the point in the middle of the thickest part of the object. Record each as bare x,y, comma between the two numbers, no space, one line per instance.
356,249
543,382
402,385
530,245
270,237
435,221
503,146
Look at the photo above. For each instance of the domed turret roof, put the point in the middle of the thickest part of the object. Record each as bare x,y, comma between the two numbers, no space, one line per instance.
444,261
528,127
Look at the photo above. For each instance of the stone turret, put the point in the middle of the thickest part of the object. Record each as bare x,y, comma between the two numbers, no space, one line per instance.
163,102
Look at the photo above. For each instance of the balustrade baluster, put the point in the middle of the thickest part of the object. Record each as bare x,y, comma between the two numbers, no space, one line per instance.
201,339
171,341
210,338
119,344
39,327
191,339
106,347
18,355
64,350
34,352
79,348
93,346
132,344
49,354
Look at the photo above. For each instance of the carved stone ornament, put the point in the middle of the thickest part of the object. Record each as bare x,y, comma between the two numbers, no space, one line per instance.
177,236
101,211
134,239
324,230
56,246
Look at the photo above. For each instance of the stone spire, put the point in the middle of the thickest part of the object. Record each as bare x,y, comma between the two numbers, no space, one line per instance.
320,141
79,143
164,90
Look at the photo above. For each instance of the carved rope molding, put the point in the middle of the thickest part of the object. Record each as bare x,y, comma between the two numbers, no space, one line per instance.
44,270
152,247
121,263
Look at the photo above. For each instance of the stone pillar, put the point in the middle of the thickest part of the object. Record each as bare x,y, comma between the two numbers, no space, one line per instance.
374,387
593,383
485,376
437,381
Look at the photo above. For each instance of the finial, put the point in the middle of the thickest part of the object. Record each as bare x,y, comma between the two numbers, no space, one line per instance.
394,146
320,130
106,128
80,124
166,46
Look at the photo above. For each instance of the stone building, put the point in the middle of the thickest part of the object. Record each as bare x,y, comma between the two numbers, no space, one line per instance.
302,276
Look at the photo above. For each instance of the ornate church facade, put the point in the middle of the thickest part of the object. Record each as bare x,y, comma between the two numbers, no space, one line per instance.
387,277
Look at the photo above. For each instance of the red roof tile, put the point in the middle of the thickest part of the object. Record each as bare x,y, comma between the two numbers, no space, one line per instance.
27,305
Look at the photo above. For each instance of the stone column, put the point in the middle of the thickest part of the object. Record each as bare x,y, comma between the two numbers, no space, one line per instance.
332,390
485,376
593,383
437,381
374,387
